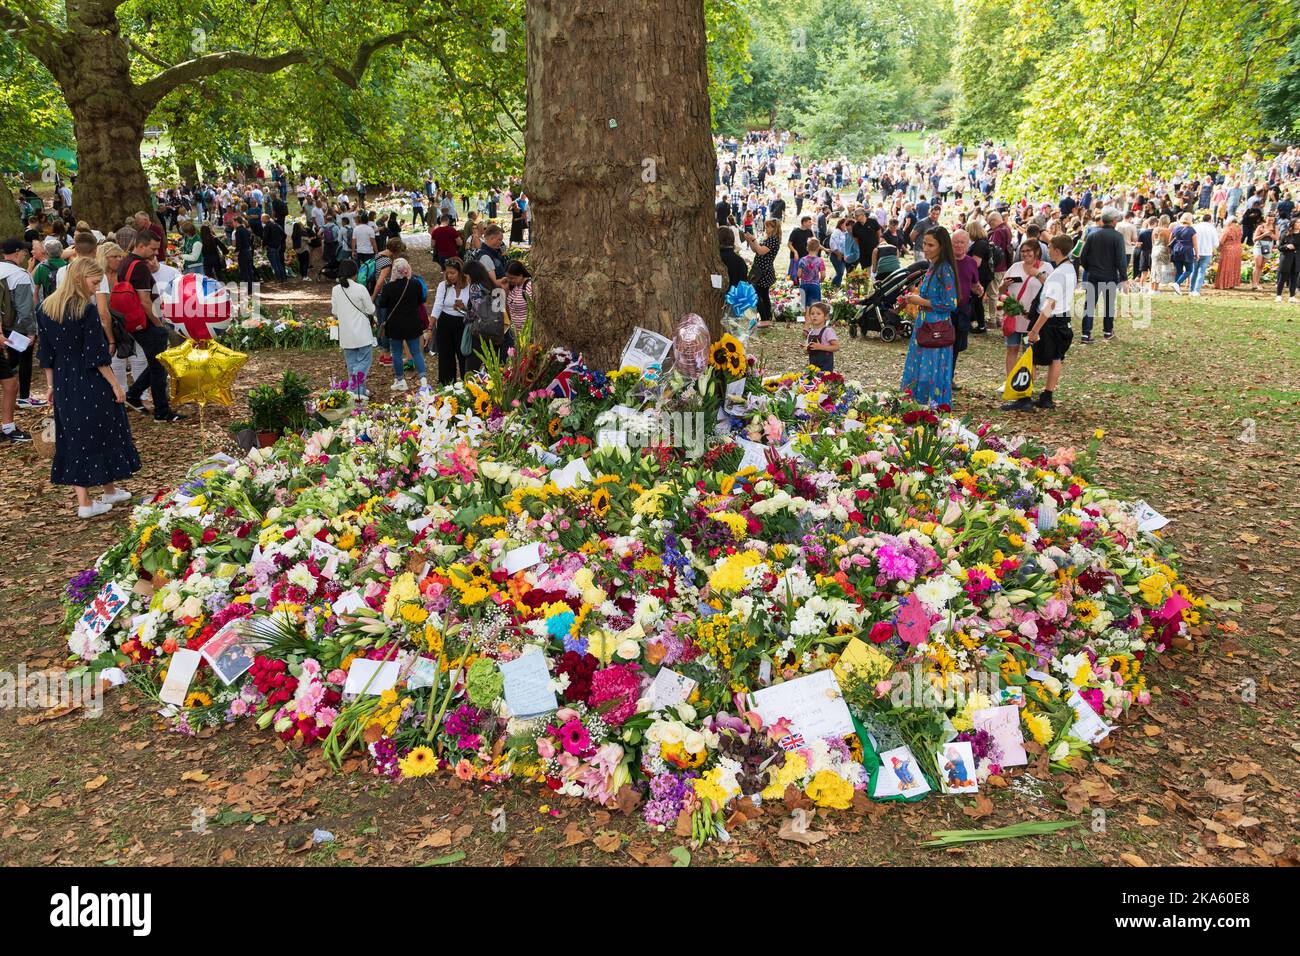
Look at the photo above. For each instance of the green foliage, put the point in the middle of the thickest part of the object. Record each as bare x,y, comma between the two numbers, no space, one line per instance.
1281,98
34,120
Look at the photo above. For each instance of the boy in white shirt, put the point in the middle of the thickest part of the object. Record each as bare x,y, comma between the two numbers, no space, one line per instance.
1051,335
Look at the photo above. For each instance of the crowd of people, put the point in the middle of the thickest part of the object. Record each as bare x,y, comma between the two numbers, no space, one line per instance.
82,303
982,247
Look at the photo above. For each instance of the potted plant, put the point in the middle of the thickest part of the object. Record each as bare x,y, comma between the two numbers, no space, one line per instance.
337,401
273,409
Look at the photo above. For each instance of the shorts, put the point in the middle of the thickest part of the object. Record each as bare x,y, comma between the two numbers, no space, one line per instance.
1264,247
8,363
1017,340
1053,341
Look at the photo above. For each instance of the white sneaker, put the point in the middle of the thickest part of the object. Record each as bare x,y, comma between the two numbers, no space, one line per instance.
1178,290
1195,293
1277,298
1294,299
399,385
96,509
117,497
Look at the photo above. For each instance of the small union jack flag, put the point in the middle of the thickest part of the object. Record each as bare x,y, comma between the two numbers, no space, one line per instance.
792,742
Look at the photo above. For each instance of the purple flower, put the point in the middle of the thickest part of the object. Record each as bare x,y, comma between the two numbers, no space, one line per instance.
82,586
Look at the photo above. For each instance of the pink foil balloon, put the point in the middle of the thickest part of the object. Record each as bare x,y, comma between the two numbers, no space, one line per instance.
691,346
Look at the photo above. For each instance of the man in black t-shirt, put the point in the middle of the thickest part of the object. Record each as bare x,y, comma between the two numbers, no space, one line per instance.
866,232
153,338
798,243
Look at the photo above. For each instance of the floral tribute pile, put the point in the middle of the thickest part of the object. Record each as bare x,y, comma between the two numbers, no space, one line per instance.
487,581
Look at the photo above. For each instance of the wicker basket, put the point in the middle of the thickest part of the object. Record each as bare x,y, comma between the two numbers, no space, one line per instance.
43,437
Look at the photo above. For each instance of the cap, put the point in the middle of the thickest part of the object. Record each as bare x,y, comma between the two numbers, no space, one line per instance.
13,245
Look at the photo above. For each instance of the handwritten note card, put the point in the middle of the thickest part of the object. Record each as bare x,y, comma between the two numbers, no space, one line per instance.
179,674
813,705
528,686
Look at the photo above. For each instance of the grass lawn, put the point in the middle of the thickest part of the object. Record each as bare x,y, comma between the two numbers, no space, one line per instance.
1199,410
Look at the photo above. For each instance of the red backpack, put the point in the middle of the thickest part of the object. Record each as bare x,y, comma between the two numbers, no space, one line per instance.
124,300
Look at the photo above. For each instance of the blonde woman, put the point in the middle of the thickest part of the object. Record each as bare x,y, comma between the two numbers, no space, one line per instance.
92,445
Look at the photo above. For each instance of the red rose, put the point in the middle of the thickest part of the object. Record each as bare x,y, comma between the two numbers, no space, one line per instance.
181,541
881,631
209,535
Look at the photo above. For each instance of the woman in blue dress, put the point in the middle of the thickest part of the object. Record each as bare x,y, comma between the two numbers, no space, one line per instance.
92,443
927,373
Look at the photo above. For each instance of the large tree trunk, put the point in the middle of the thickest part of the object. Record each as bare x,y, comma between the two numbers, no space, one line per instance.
108,124
619,169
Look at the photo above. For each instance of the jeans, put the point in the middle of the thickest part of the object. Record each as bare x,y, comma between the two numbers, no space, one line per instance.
417,355
811,292
247,276
276,255
418,213
1099,292
1199,269
153,340
1183,270
838,263
358,360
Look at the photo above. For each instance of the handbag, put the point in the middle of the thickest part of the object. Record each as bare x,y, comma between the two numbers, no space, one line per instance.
124,341
936,335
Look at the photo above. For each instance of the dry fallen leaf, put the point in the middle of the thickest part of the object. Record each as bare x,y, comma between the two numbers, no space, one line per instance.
198,776
97,782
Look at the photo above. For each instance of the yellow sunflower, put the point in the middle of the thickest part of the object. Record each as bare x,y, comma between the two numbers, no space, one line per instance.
553,427
198,699
600,502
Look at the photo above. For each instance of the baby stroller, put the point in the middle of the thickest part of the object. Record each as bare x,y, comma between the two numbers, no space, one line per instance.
878,313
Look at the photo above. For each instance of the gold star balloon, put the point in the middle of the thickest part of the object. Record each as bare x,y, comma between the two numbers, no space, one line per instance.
202,371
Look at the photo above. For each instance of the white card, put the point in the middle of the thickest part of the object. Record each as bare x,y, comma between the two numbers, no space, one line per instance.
1088,725
371,677
755,455
736,389
528,686
519,559
899,775
17,341
323,551
416,525
669,688
544,456
423,673
334,333
645,348
813,704
180,672
956,762
349,602
717,280
611,438
230,653
569,476
1148,518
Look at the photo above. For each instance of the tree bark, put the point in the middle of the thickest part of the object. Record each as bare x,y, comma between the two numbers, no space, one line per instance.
619,170
11,224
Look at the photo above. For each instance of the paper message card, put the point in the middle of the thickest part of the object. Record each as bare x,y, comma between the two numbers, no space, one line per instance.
611,438
899,775
180,672
1003,725
348,603
323,551
669,688
528,686
229,653
544,456
813,705
1148,518
755,455
106,606
519,559
371,677
645,349
569,476
957,768
1088,725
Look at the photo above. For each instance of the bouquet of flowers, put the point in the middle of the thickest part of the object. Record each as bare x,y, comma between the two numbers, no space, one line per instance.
446,586
288,330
